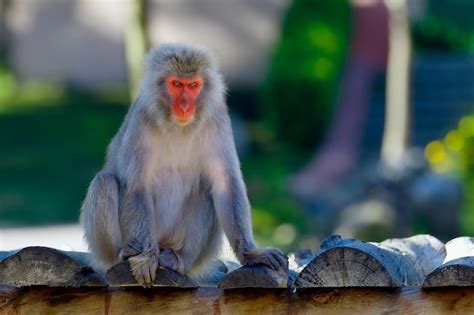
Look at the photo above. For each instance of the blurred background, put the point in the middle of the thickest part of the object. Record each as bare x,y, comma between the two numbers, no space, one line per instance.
350,117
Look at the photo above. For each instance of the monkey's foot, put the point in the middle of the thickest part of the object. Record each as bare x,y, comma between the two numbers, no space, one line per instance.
168,259
270,257
144,267
133,248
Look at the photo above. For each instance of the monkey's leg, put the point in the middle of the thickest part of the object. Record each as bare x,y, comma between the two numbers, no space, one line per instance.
203,239
100,219
139,234
169,259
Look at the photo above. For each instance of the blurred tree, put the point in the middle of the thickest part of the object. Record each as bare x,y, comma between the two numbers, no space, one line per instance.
397,117
3,33
136,44
7,78
301,86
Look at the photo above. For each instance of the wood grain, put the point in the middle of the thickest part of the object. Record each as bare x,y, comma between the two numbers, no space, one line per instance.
48,266
353,263
350,263
458,266
40,300
417,256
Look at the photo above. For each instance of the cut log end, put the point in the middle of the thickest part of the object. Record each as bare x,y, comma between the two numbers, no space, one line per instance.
345,267
46,266
121,275
455,273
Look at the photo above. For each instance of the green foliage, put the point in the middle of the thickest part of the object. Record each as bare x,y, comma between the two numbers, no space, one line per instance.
455,154
51,148
300,88
7,83
273,208
448,26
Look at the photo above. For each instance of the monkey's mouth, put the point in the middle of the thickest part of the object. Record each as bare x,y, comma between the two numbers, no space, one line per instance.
183,120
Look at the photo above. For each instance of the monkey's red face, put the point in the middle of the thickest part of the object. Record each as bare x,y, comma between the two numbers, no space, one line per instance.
183,92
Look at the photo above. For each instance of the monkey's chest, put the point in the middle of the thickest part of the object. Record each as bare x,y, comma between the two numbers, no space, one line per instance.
176,195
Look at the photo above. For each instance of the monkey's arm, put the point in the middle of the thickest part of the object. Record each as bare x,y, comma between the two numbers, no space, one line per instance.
233,209
136,217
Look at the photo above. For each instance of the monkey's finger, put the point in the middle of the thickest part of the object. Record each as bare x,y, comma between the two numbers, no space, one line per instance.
275,251
273,263
282,260
141,280
267,260
152,273
147,276
144,283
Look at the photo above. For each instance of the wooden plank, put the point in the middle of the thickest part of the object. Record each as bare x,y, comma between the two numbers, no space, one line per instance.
7,296
47,266
37,300
458,266
353,263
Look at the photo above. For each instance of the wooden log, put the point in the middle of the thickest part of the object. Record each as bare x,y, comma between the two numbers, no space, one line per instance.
4,255
408,300
121,276
49,267
421,254
350,263
258,276
458,266
353,263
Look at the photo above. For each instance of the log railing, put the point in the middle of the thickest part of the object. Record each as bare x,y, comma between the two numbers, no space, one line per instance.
397,274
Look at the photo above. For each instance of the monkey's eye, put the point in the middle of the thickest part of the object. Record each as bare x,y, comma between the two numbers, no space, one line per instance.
177,83
192,85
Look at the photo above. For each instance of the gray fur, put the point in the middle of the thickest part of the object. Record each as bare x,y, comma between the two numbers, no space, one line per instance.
168,188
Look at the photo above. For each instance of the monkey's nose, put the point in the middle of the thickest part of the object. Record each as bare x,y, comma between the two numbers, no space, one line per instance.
184,104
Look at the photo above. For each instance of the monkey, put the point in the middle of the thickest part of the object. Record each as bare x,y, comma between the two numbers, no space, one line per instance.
171,188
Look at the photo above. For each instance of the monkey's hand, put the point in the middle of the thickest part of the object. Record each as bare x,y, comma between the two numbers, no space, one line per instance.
143,261
270,257
144,267
169,259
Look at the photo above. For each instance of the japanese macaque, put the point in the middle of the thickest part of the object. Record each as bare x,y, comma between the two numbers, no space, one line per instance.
171,186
